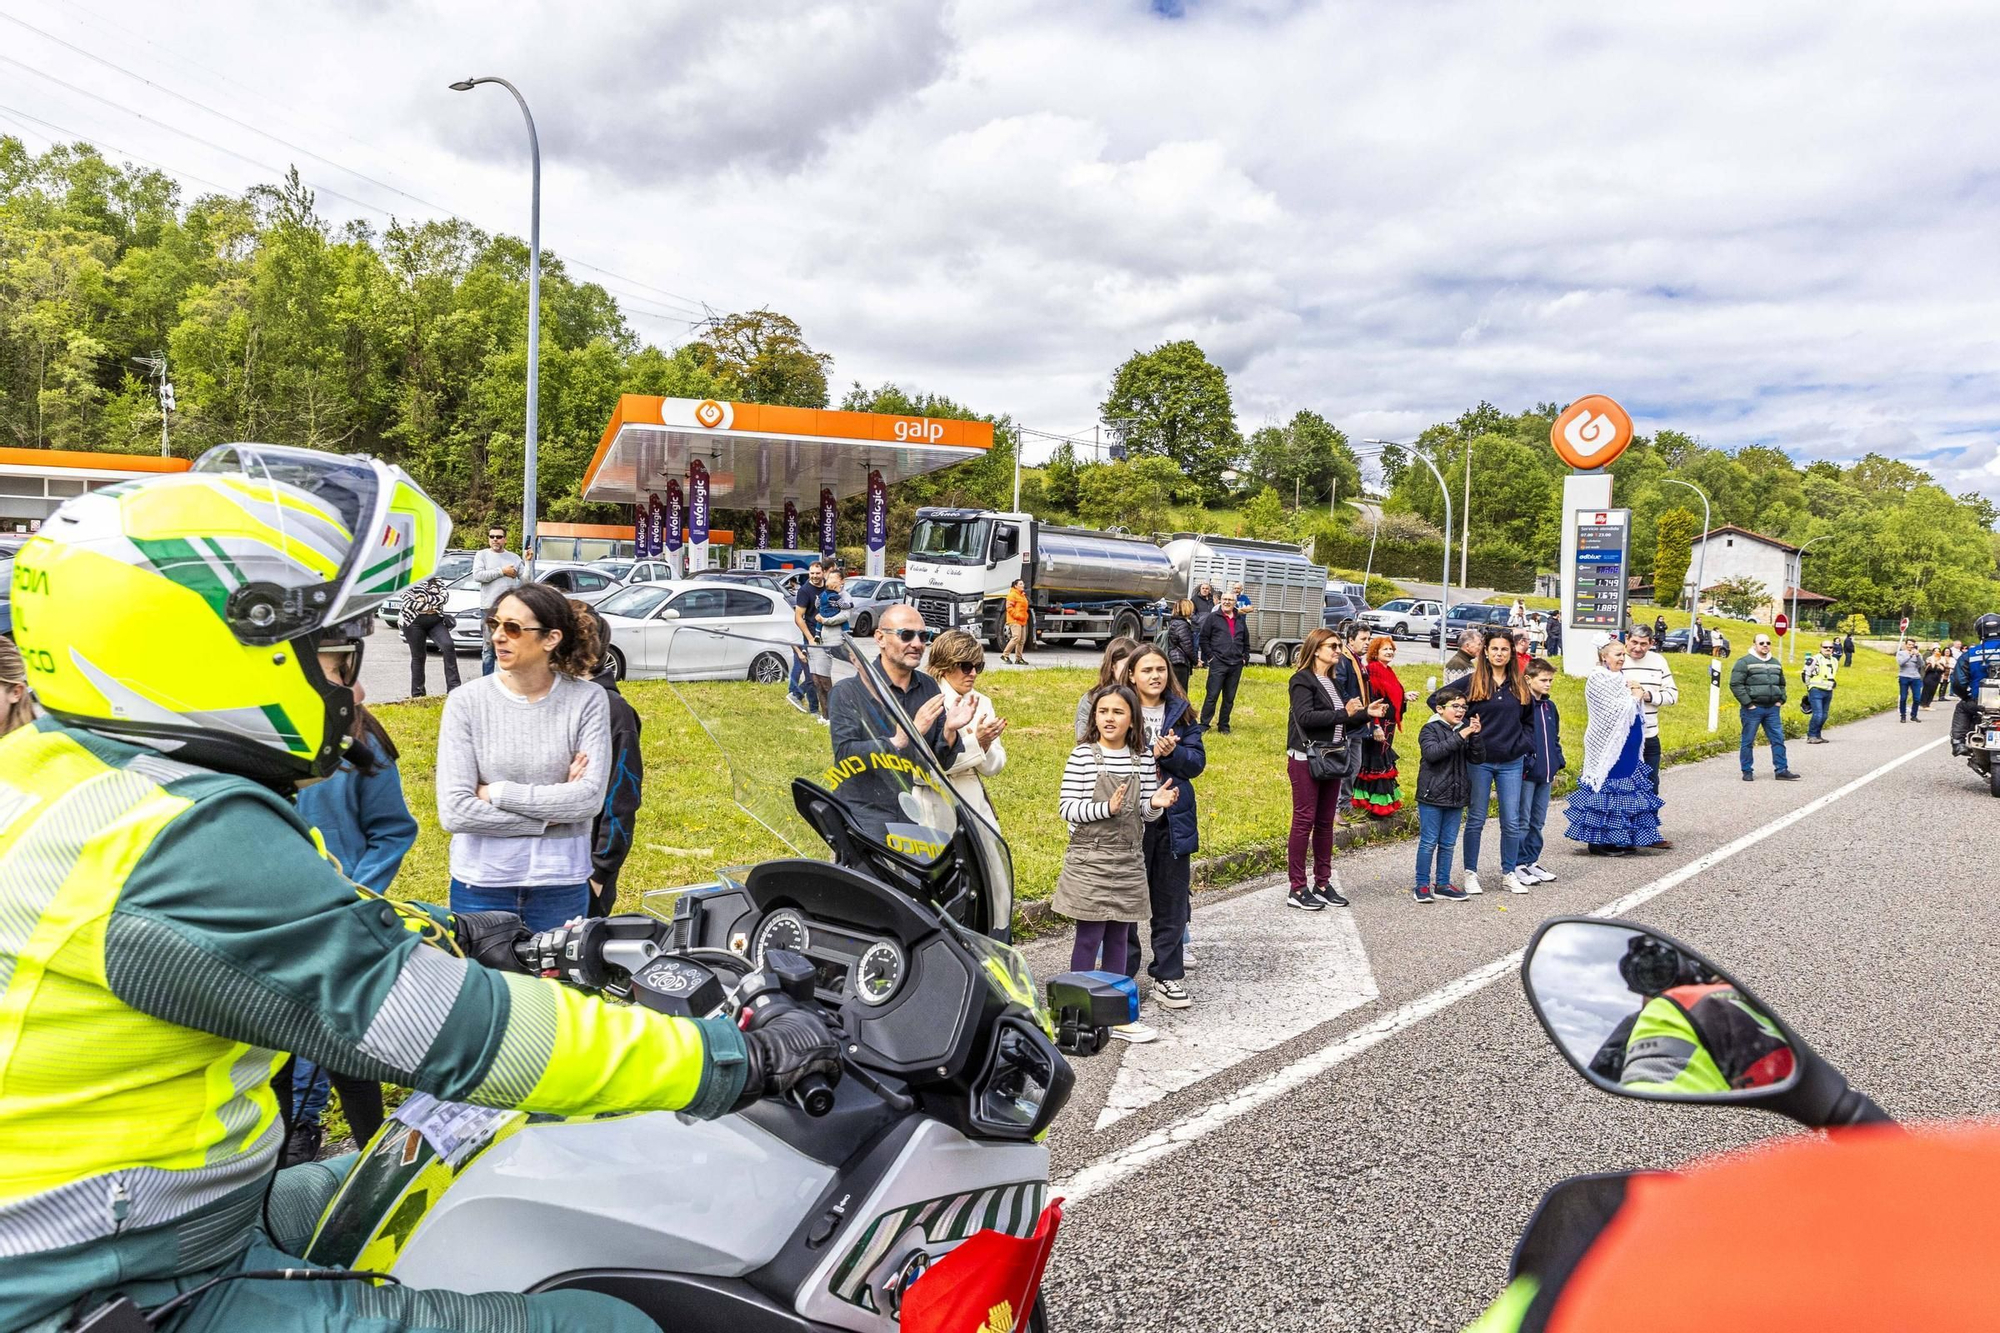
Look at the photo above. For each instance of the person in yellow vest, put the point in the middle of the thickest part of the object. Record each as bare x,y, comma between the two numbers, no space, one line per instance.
1819,678
170,927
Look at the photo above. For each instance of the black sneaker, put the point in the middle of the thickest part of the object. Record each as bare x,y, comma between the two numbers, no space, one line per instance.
1749,777
1422,893
1304,901
1329,895
1786,775
303,1145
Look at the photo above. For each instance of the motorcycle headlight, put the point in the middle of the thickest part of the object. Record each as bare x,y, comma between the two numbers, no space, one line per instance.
1024,1085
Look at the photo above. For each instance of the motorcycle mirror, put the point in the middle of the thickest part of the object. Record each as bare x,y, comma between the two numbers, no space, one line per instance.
1640,1014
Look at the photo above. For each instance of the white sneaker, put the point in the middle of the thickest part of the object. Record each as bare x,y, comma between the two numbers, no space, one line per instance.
1513,883
1188,960
1472,884
1136,1033
1542,876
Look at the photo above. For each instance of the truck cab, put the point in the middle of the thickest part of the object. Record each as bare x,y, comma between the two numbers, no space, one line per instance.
961,563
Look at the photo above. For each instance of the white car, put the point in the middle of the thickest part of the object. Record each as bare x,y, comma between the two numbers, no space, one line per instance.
1404,618
656,631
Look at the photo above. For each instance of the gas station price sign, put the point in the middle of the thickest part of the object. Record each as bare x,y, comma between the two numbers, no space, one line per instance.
1603,554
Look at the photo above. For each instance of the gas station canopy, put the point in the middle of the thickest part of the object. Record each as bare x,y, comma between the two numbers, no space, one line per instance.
759,456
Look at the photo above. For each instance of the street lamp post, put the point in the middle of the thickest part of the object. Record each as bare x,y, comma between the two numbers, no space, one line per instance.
1444,575
533,437
1798,568
1373,532
1465,543
1701,564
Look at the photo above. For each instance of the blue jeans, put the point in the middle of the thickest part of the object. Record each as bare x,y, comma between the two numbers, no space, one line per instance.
1821,703
1437,830
1909,689
1535,812
1771,718
1487,780
542,907
801,683
310,1089
486,660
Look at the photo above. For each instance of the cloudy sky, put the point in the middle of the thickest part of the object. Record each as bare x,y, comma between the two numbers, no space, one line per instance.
1770,223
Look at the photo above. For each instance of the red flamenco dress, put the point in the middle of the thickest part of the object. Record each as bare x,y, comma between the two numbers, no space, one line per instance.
1376,789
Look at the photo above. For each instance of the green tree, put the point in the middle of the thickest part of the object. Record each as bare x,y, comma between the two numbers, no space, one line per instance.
1307,456
1135,494
1062,476
1264,517
1740,597
1175,403
1675,532
762,357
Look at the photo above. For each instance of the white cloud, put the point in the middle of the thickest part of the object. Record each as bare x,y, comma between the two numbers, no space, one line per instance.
1764,223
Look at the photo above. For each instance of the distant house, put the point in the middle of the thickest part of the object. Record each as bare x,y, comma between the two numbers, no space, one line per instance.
1736,553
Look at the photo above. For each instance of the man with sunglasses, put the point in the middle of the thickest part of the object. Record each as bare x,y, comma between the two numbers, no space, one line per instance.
859,722
497,571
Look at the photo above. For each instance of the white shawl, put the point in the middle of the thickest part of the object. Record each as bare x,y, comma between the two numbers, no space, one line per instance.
1613,712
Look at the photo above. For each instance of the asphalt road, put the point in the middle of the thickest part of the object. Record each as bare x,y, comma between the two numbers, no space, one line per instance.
1369,1165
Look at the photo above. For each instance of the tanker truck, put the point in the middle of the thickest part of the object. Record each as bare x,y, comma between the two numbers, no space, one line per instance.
1087,585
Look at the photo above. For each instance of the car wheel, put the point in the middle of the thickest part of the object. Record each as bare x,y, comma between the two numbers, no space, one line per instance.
617,664
768,669
863,626
1279,654
1402,630
1127,626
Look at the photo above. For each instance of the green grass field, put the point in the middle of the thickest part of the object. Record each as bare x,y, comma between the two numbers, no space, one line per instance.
690,825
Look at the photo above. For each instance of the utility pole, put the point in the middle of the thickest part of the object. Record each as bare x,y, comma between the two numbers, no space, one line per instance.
157,364
1465,542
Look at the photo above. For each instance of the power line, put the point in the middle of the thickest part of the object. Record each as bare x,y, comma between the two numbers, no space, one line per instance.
199,105
18,116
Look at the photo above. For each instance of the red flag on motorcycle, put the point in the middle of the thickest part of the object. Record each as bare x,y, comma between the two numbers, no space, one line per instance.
987,1285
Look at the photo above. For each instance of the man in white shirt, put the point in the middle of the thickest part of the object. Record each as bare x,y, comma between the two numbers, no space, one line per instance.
1649,670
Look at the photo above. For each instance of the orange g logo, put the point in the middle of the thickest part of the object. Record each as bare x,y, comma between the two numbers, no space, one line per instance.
1591,432
708,412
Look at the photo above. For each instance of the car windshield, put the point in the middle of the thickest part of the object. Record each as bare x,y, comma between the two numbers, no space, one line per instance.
870,766
634,602
861,589
950,540
617,569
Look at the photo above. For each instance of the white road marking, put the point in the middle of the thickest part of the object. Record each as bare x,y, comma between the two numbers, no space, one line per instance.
1267,975
1135,1157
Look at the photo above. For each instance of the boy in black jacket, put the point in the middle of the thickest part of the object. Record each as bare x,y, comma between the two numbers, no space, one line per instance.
1448,743
1545,760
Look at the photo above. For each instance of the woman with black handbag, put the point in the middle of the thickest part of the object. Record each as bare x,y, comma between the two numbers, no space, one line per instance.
1316,761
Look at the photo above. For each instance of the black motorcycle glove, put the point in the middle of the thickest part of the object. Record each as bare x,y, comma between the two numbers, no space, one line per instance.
784,1049
489,938
573,952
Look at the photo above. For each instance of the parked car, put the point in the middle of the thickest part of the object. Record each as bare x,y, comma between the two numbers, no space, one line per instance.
656,631
1404,618
7,597
461,601
1341,606
586,583
871,598
1469,616
1677,641
618,567
453,566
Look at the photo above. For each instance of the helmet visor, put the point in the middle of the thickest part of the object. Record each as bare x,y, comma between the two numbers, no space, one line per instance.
352,531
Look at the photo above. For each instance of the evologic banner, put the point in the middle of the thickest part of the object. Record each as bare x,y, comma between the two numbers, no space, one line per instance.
878,524
826,513
675,518
655,525
791,525
761,523
639,530
697,502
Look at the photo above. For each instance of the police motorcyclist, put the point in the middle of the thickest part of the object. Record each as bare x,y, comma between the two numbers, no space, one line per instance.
1980,662
1694,1033
168,925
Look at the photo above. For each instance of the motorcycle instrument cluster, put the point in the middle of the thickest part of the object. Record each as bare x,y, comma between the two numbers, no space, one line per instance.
845,964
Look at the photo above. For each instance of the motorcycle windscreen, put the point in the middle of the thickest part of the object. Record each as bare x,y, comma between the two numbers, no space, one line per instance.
869,756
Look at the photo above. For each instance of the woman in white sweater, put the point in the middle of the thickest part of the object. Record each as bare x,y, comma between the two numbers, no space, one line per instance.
523,756
956,663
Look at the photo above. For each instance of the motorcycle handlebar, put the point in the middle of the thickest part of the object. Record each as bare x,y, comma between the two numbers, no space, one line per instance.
812,1094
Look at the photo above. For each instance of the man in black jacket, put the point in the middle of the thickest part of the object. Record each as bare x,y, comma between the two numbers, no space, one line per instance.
1225,646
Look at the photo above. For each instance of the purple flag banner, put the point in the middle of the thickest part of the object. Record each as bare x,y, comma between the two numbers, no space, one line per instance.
655,517
697,501
791,525
675,517
639,530
762,524
826,512
878,512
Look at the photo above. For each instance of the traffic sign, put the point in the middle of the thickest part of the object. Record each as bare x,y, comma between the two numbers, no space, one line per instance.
1780,623
1591,432
1906,626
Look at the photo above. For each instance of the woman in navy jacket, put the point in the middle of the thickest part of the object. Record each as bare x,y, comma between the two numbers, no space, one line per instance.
1497,693
1173,734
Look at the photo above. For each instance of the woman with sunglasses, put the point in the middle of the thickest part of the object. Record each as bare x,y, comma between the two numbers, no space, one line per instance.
523,756
956,663
367,827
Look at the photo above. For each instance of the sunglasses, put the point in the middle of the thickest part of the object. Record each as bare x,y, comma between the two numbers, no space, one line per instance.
513,629
911,635
971,668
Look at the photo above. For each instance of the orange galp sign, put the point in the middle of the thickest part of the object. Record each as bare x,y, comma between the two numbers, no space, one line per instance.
1591,432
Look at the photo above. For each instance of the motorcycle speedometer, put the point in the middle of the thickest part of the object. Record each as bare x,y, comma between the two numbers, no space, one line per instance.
880,973
785,928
